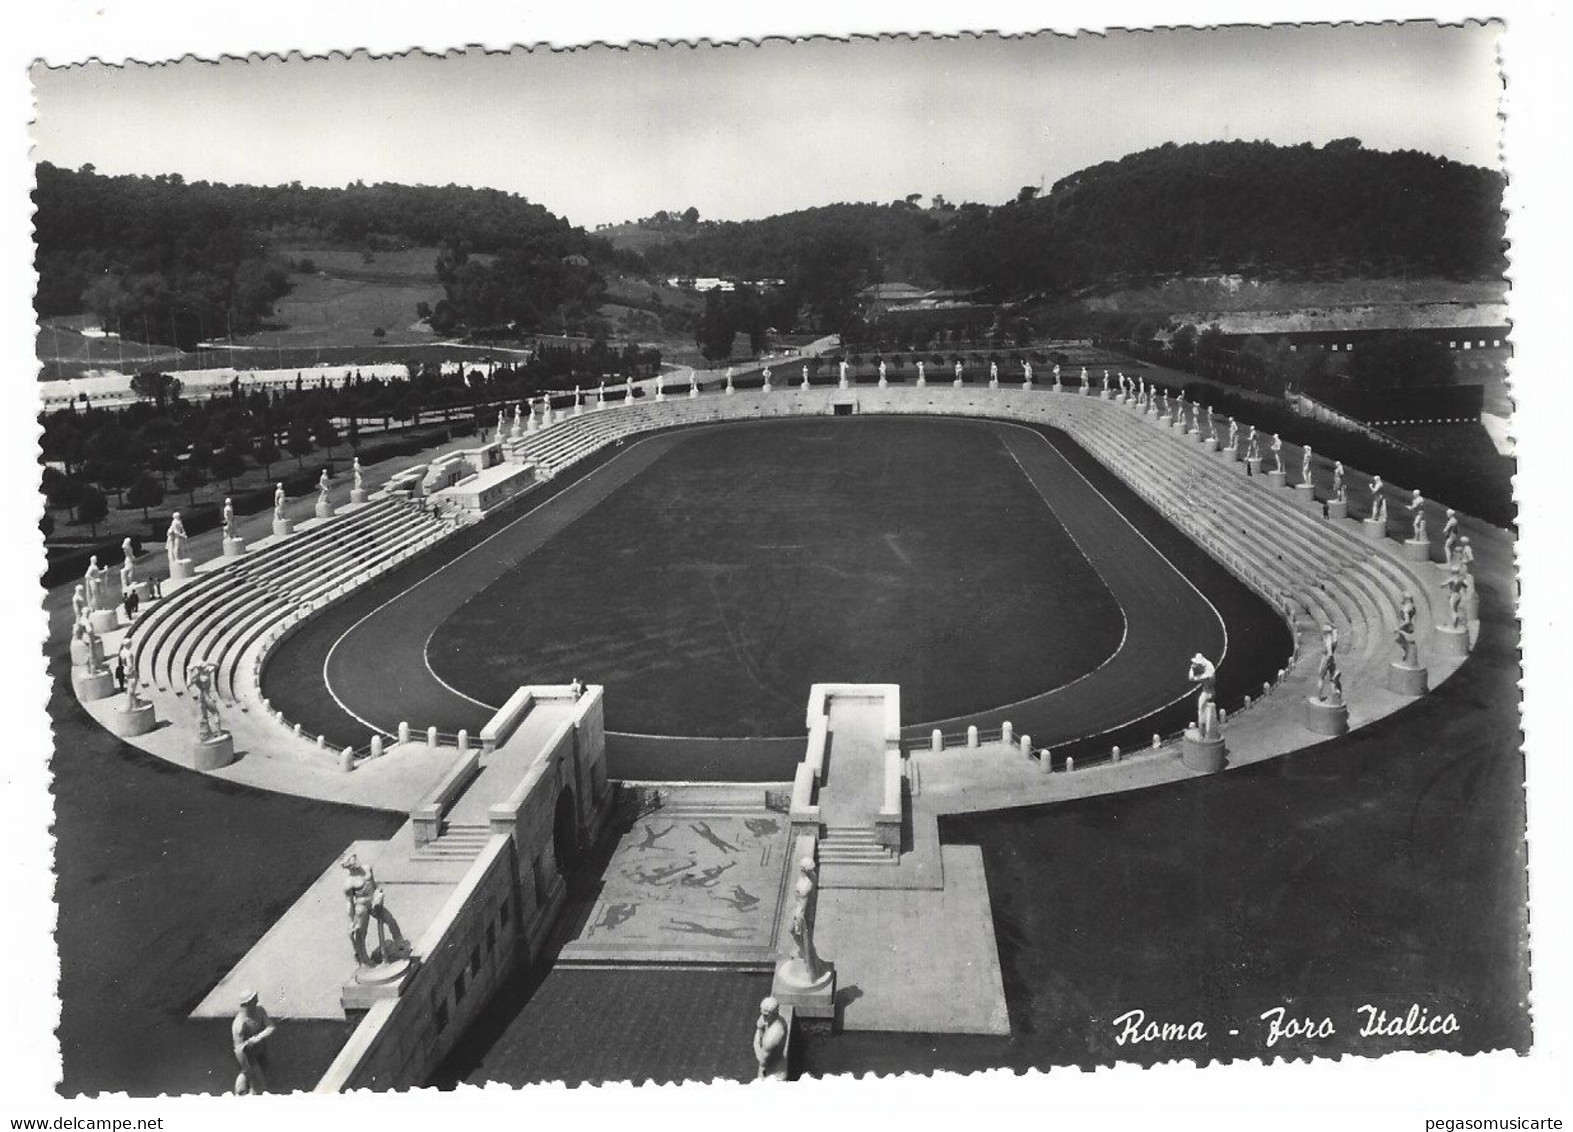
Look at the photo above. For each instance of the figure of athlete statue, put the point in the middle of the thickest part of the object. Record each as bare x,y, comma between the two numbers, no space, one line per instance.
202,678
363,898
1455,589
229,518
1278,453
1404,635
769,1040
1340,492
278,503
1417,507
248,1036
1329,681
175,540
1305,464
1378,500
1204,673
322,488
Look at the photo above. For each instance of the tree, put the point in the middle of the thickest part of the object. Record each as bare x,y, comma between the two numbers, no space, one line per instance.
188,478
299,442
228,462
160,388
115,475
325,432
715,331
93,509
1183,341
266,453
1027,193
145,492
690,216
62,492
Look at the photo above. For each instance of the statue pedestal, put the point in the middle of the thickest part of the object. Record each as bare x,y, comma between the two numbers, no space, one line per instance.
843,384
1305,495
883,383
693,391
357,495
1253,465
1026,385
324,510
104,621
1452,642
994,383
282,527
1406,681
810,997
1277,479
922,382
1326,718
730,392
92,685
1108,394
578,409
129,721
210,754
1205,756
1338,509
1375,530
1210,444
373,984
1086,390
234,547
765,387
957,383
180,570
86,654
1229,455
1417,549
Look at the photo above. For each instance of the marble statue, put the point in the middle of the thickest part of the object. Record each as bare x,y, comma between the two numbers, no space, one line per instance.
1404,635
1141,387
770,1036
1026,372
229,518
1278,453
628,388
1418,506
1056,375
1340,492
1329,681
363,896
128,567
1253,447
994,373
1212,424
1194,426
921,378
1085,380
93,581
693,384
133,684
518,418
1456,592
1378,500
248,1036
882,379
202,678
1234,434
958,371
1105,381
729,386
278,503
502,422
322,488
801,928
1165,401
1450,537
841,373
359,476
766,376
1305,464
79,606
805,374
175,540
1205,674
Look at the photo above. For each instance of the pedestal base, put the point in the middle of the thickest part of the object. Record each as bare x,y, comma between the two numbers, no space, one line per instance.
210,754
282,527
1305,495
1417,549
1452,642
324,510
180,570
357,495
1202,755
1210,444
1326,718
86,655
1253,465
814,998
1406,681
1277,479
376,983
234,547
1338,509
126,722
883,384
104,621
994,383
1229,455
1375,530
95,685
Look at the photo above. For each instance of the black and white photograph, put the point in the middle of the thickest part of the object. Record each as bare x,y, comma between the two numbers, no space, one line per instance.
795,558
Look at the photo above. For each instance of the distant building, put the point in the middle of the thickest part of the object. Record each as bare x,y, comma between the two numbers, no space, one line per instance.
1458,326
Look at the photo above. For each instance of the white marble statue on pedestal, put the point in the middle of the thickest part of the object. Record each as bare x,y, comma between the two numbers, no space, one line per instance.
128,568
1378,500
359,477
883,380
994,373
322,488
202,679
229,518
175,540
1105,381
628,389
922,380
278,503
93,582
1305,464
1026,372
1450,537
766,376
1340,491
502,423
801,928
729,387
1253,447
1278,453
1204,673
843,378
79,607
1329,682
958,372
1404,634
770,1035
1234,434
1453,586
364,898
1056,375
1417,507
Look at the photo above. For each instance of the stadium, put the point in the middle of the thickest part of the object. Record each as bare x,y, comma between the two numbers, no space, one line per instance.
824,621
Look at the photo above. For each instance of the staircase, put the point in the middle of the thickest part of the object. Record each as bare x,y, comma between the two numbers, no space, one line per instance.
853,845
456,843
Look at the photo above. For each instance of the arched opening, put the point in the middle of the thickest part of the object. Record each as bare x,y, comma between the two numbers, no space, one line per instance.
565,832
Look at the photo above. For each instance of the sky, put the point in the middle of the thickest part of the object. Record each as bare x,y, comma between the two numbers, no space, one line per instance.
601,134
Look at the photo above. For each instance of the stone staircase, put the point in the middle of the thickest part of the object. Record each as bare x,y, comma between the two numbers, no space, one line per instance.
455,843
853,845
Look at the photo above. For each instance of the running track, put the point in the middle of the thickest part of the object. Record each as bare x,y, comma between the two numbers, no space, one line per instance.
362,665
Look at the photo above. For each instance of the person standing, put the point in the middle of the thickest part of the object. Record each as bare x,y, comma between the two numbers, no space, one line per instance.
249,1036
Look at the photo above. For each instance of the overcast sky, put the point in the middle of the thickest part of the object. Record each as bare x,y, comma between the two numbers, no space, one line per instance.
742,131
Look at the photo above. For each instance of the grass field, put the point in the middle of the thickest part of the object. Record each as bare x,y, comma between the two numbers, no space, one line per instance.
747,564
348,297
